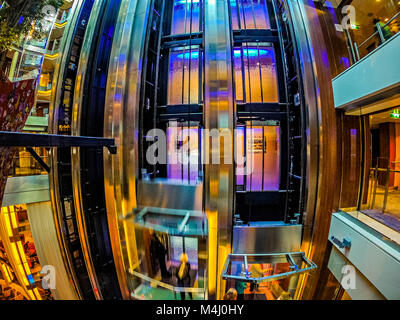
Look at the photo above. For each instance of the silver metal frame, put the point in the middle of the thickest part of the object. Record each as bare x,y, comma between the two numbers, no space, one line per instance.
121,121
287,255
219,113
182,216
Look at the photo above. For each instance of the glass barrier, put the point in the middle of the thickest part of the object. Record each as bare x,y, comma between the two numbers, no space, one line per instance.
370,168
170,266
24,164
383,31
264,276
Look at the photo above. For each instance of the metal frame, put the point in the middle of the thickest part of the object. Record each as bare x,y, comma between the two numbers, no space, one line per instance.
22,139
286,255
138,217
166,285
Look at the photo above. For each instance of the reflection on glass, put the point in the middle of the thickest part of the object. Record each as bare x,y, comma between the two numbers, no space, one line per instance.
249,14
255,66
183,154
185,17
183,79
260,172
159,276
254,268
381,196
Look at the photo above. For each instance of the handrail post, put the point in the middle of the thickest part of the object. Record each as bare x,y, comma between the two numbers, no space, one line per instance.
375,186
386,190
356,50
379,28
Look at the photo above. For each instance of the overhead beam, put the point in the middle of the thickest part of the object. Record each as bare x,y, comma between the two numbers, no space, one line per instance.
21,139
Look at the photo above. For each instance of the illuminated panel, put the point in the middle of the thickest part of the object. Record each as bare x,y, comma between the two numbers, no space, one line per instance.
184,12
183,153
183,77
262,154
240,165
256,65
253,14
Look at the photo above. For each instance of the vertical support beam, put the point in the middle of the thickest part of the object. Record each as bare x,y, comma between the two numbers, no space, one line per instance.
121,121
219,117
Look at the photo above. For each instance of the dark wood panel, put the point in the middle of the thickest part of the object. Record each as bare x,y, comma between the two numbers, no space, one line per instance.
367,158
328,151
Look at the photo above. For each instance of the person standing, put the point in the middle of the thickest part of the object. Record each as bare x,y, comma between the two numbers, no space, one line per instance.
158,253
183,275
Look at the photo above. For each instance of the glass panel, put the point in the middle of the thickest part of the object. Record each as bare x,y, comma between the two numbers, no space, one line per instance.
262,169
183,79
164,271
253,14
18,243
185,17
351,162
257,67
234,15
183,153
178,244
268,75
381,196
252,74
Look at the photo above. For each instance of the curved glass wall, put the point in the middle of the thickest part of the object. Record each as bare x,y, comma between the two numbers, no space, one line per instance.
171,229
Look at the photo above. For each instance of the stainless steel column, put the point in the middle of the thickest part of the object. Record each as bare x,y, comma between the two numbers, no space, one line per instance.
121,122
218,115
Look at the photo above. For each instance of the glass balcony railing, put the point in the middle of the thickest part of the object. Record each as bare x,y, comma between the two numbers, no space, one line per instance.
384,196
383,32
